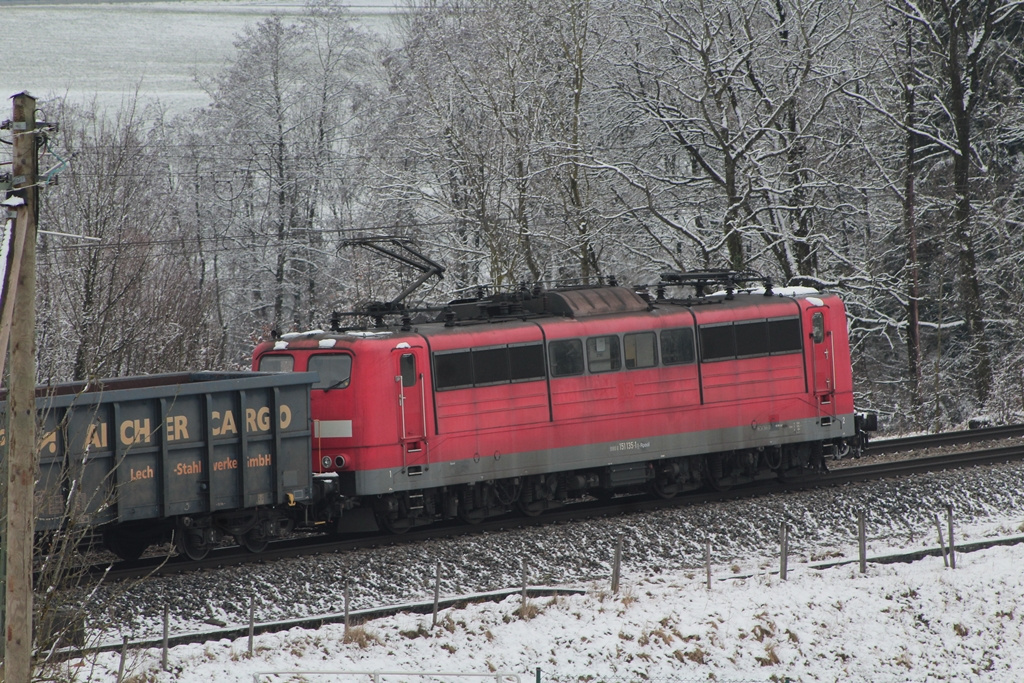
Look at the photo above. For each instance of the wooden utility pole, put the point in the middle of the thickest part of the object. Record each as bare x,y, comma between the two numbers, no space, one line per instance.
21,405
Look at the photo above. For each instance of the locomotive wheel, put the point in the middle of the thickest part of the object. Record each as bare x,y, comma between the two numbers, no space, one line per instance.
394,526
714,473
507,490
474,516
190,543
531,509
664,488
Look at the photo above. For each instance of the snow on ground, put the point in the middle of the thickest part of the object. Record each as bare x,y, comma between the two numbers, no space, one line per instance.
910,622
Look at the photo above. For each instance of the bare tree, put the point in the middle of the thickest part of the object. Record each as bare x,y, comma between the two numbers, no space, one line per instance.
125,300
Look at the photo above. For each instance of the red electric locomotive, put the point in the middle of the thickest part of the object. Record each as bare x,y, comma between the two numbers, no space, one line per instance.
528,399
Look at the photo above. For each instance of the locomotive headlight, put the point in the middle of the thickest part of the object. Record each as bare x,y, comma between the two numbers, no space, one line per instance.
339,461
325,462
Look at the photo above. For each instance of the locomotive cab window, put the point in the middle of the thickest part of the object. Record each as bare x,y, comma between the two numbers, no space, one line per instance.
277,363
639,350
603,354
566,357
677,346
335,370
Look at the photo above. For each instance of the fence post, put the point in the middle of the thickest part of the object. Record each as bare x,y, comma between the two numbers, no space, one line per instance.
949,522
862,542
526,569
346,605
167,617
616,564
707,561
252,622
437,591
783,550
124,653
942,543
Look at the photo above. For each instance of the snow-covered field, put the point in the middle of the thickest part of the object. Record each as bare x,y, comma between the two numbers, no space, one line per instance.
909,622
107,50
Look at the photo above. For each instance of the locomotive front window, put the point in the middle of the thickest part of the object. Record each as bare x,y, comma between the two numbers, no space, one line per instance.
603,354
677,346
335,370
566,357
277,363
639,350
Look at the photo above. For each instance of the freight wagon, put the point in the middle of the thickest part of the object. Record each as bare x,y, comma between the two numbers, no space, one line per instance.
192,456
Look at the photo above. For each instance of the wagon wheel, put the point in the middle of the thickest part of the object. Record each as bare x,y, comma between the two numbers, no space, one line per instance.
191,543
128,547
253,540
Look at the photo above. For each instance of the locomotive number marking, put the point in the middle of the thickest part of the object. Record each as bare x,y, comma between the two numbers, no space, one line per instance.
630,446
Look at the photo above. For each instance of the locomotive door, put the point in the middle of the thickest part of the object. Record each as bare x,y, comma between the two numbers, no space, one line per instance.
822,359
412,412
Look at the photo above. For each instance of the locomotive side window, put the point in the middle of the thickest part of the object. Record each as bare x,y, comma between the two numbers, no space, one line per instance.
526,362
566,357
603,354
717,342
677,346
277,363
490,366
639,350
784,335
818,327
453,370
335,370
487,366
751,338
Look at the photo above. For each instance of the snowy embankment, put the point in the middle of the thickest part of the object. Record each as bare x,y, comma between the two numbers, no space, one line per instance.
912,622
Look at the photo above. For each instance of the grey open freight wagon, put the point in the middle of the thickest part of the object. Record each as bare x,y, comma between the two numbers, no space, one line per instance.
191,455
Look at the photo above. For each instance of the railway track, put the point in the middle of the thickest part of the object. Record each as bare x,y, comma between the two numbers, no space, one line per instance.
862,471
855,471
